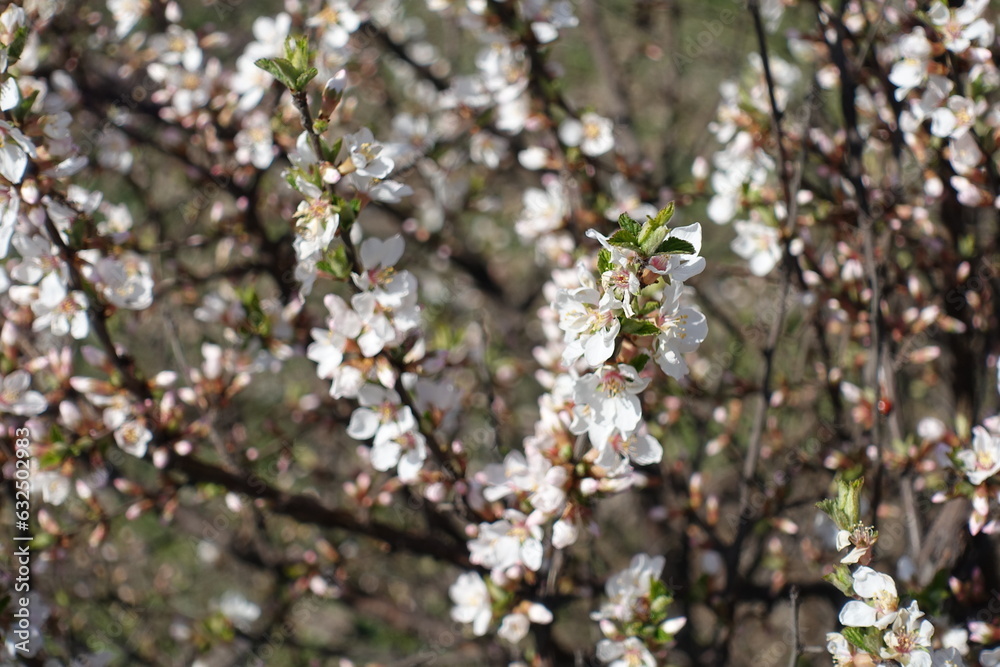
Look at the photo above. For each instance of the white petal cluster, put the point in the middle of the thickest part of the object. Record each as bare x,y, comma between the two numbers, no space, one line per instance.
606,399
472,602
507,545
742,161
473,605
982,460
631,600
905,638
16,398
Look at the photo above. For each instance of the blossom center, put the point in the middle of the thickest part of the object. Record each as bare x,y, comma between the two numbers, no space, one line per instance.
985,461
613,383
68,306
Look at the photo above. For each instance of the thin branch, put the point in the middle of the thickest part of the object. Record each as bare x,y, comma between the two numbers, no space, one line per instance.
96,314
855,147
788,263
308,509
793,599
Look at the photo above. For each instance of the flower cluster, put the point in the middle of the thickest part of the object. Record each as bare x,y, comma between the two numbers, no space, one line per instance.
878,628
606,328
637,295
980,462
476,600
635,620
634,305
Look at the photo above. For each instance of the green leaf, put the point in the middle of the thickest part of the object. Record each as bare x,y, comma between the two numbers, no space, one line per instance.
673,245
647,307
17,45
659,604
303,80
257,322
20,112
663,217
868,639
51,458
269,66
624,238
280,69
56,435
298,52
639,362
639,327
603,260
842,580
289,71
336,263
845,510
333,151
628,224
829,508
651,238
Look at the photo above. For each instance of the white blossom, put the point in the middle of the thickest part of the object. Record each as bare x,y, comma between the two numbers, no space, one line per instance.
681,266
126,14
60,310
590,322
629,652
962,26
255,141
911,71
316,227
366,155
16,398
337,21
983,460
391,288
757,243
238,609
399,445
329,344
626,588
544,210
514,626
133,437
682,330
880,590
379,408
592,133
534,475
126,281
964,153
617,449
908,640
15,149
472,602
956,118
610,395
506,543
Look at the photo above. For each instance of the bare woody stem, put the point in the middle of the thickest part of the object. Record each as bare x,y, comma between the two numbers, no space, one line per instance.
789,187
866,221
97,316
